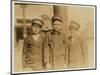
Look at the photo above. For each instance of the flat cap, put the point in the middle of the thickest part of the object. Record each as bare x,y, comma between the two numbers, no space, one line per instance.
75,25
37,21
59,18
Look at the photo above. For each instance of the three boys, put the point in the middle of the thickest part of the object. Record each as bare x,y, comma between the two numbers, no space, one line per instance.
54,51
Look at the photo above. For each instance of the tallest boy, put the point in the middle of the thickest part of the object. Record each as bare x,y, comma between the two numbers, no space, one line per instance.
55,46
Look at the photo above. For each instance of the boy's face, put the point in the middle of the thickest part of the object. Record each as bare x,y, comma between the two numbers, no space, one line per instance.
73,31
36,29
57,25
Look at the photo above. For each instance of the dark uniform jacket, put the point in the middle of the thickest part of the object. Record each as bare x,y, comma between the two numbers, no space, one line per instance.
55,50
32,52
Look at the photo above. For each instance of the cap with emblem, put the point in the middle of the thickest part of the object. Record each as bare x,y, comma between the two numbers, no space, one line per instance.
59,18
37,22
75,25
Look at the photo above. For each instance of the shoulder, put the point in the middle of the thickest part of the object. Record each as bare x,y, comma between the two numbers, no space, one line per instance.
28,38
42,34
49,33
63,34
81,38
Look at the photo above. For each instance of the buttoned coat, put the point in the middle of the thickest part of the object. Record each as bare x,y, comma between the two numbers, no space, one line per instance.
55,50
78,54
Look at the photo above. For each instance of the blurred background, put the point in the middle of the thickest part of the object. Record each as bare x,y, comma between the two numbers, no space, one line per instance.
23,14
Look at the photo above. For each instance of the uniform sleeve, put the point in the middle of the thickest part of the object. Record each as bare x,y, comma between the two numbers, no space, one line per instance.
24,52
66,50
25,44
46,49
84,51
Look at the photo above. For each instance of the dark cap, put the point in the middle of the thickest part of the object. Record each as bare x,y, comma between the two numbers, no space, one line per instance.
75,25
38,22
57,18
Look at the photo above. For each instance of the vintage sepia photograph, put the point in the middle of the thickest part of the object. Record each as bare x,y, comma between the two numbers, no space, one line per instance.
49,37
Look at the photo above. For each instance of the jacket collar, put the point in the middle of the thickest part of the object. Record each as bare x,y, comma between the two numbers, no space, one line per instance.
54,32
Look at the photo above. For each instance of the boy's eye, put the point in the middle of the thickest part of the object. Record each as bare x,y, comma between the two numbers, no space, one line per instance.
55,24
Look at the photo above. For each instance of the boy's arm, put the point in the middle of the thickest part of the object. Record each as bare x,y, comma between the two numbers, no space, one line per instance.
24,51
46,52
66,51
84,51
25,45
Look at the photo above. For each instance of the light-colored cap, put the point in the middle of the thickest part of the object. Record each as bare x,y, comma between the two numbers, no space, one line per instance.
75,25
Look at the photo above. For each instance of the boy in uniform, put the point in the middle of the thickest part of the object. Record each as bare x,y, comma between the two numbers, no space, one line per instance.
55,46
32,50
77,47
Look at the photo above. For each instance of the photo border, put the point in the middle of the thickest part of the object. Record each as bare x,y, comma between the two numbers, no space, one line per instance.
54,3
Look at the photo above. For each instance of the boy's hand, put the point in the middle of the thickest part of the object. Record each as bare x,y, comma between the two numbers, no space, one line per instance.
65,65
48,66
